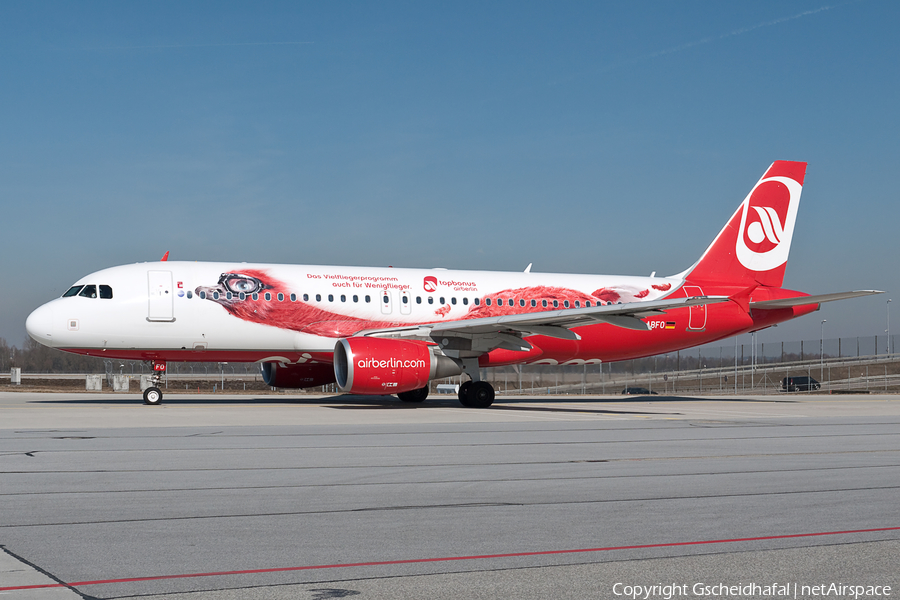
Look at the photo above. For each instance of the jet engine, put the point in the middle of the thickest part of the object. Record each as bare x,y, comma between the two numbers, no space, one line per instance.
297,376
368,365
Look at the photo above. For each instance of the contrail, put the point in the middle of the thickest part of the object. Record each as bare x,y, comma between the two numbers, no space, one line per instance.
160,46
706,40
735,32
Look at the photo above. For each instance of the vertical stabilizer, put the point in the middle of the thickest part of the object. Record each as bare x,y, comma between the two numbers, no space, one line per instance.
753,247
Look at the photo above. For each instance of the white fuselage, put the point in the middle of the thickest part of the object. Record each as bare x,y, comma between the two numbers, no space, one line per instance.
161,306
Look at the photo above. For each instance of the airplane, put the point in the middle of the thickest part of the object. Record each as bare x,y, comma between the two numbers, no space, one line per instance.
391,331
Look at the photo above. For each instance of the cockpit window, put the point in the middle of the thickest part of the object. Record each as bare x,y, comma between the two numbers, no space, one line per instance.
106,292
89,291
72,291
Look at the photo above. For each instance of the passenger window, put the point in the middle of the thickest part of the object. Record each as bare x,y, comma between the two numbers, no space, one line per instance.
578,304
487,301
215,295
453,300
405,299
72,291
89,291
466,301
442,301
544,303
477,301
418,299
566,303
430,300
280,297
202,295
106,292
522,302
331,297
294,297
268,296
318,297
242,296
228,295
368,298
355,298
343,298
189,294
533,303
255,295
556,304
386,299
587,303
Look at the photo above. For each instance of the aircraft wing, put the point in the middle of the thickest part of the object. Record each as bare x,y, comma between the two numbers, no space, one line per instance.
505,331
807,300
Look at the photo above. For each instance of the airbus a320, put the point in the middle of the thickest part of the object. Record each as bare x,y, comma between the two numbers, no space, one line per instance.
392,331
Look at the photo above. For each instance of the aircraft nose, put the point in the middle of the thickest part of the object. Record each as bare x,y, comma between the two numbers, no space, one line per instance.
39,325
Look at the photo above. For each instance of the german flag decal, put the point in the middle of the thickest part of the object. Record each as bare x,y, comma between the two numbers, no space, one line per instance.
670,324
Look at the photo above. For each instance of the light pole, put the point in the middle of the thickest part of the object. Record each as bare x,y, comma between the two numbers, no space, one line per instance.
889,325
822,351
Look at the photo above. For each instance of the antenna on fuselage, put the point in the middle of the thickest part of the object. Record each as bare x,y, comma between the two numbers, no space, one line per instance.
165,257
528,268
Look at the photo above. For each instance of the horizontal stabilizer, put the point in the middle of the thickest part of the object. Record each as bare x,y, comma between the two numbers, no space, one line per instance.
807,300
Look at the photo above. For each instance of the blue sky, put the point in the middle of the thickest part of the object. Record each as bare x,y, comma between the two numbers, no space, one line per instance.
583,137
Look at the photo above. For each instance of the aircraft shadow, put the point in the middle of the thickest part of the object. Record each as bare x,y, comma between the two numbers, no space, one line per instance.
348,402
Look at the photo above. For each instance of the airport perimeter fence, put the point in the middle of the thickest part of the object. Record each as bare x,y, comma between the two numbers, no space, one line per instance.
856,364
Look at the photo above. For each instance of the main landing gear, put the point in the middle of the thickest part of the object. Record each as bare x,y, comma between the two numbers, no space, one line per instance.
476,394
472,394
418,395
153,395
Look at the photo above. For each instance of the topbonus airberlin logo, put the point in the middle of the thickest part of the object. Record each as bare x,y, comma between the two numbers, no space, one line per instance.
767,223
430,284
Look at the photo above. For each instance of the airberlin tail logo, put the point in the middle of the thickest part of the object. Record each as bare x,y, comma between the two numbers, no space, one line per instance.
767,223
767,228
430,284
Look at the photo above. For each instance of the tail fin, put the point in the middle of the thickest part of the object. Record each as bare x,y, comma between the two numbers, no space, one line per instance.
753,247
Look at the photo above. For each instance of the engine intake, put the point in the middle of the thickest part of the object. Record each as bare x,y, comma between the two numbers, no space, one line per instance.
367,365
297,376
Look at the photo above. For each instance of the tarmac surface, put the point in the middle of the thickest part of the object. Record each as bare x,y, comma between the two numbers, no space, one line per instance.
221,497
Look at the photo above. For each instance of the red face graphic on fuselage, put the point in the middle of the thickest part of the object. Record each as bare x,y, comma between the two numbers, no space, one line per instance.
306,317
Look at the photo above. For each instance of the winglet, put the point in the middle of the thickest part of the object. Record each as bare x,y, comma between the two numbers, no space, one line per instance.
165,257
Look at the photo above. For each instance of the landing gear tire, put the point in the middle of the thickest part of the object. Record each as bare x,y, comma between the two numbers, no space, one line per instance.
418,395
480,395
463,393
153,396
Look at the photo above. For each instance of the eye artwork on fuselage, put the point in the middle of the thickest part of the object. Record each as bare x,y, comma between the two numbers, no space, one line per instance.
235,293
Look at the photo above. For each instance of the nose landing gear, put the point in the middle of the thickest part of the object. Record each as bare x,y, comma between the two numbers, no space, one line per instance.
153,395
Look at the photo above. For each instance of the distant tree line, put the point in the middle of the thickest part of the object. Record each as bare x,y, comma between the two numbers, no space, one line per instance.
37,358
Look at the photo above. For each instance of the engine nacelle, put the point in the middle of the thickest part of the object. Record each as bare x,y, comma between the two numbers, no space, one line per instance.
297,376
368,365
